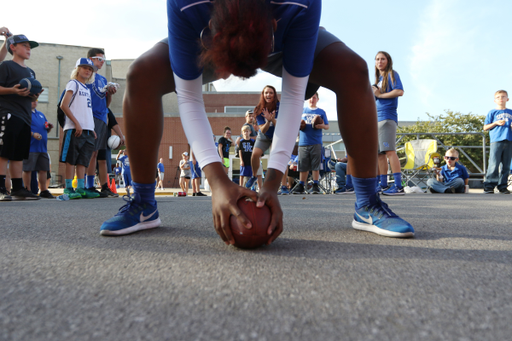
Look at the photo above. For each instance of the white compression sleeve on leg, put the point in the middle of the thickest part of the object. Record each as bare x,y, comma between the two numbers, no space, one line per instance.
288,120
194,121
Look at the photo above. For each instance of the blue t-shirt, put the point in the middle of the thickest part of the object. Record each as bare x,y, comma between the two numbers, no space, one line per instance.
125,163
500,133
310,136
99,97
261,120
38,126
297,30
160,167
458,172
386,107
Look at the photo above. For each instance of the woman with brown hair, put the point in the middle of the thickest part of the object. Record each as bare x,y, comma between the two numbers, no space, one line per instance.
238,37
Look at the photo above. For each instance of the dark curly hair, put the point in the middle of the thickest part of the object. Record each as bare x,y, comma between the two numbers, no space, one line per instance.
241,37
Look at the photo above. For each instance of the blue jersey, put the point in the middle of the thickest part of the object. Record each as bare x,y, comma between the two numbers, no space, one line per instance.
297,30
458,172
386,107
261,120
99,97
310,136
125,164
500,133
160,167
39,126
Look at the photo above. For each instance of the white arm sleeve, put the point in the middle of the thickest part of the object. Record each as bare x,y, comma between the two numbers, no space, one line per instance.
193,118
288,120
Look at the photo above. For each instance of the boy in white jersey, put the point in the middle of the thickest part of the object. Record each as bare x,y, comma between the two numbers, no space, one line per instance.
78,142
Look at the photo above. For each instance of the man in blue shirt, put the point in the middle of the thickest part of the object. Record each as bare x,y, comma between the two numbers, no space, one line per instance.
452,178
160,168
310,146
101,93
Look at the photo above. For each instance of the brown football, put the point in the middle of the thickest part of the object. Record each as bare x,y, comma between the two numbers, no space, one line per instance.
260,218
317,120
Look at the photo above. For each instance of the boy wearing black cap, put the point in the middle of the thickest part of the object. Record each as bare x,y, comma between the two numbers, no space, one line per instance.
15,116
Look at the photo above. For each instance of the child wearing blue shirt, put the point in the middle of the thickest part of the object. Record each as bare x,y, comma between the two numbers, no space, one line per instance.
498,122
452,178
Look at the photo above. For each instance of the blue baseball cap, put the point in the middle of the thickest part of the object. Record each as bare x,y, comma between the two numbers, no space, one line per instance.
86,62
19,38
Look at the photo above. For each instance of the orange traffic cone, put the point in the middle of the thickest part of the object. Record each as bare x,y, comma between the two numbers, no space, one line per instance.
113,186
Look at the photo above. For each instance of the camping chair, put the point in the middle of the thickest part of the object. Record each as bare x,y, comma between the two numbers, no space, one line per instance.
417,169
326,172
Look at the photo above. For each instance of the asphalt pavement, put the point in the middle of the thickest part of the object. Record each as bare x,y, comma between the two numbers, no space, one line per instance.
320,280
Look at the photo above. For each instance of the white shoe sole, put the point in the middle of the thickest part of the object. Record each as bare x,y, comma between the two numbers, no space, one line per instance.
139,227
381,232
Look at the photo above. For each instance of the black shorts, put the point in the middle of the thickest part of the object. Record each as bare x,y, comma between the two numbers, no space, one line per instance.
77,150
15,141
36,162
102,154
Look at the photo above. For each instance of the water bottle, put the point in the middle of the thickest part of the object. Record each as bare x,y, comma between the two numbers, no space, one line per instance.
63,197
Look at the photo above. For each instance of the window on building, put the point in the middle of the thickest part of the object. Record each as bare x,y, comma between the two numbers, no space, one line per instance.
237,109
43,98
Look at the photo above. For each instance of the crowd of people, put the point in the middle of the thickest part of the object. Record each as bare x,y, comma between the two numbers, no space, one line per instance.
237,38
86,126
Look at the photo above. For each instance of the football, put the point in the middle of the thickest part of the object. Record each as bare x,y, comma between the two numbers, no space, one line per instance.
113,142
260,219
317,120
302,125
32,84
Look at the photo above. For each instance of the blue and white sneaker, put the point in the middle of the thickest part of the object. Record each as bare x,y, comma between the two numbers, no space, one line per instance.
394,190
378,218
134,216
381,189
344,190
250,182
283,191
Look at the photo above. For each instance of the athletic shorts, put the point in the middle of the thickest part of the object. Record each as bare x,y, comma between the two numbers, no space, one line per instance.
77,150
310,158
275,62
196,171
36,162
15,141
246,171
387,136
225,162
263,142
102,155
101,130
161,176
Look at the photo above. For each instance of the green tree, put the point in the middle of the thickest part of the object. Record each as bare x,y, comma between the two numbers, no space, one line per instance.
451,122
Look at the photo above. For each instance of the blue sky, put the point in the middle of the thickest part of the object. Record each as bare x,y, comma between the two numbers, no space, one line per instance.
450,54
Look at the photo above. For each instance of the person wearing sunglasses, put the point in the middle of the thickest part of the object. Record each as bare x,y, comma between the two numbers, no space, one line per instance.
101,96
209,40
452,178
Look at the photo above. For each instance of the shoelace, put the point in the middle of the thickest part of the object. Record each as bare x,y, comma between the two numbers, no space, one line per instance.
381,208
130,201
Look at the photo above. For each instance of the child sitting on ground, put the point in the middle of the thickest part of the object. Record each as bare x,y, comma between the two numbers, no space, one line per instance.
452,178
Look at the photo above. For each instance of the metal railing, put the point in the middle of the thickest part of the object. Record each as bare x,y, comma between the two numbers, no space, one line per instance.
481,168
